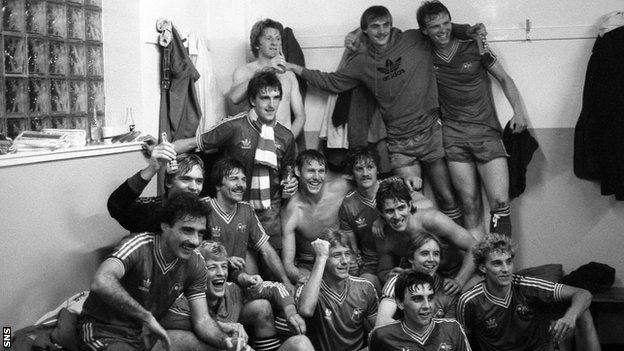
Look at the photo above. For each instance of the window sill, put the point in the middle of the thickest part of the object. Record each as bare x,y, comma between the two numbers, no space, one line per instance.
24,158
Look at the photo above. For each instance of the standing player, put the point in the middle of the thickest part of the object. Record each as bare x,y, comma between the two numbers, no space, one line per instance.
264,146
340,308
419,329
424,256
234,223
506,311
266,44
472,133
251,305
313,209
405,223
141,279
397,68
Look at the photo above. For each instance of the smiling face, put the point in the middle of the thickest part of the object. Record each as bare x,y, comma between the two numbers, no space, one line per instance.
396,213
232,187
337,265
189,182
217,276
427,258
378,31
265,104
270,43
311,177
417,305
365,173
498,269
438,29
183,237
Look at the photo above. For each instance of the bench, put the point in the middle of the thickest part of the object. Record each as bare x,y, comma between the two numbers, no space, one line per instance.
607,309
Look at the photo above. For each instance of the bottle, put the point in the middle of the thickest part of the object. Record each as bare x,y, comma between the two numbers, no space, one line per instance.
172,166
129,119
95,129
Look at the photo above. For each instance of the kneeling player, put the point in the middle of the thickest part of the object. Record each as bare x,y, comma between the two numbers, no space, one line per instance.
418,329
251,306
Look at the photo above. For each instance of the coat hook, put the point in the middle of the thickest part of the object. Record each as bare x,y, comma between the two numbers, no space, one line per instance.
527,28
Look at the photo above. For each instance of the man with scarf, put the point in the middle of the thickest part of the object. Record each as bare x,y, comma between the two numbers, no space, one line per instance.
264,146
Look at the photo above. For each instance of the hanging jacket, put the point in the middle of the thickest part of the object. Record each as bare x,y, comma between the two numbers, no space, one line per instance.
179,108
520,147
599,132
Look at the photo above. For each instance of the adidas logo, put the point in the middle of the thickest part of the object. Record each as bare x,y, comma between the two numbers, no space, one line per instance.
391,69
215,231
146,285
360,222
246,144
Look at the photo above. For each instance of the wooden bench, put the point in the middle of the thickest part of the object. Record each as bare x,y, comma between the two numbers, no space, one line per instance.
607,309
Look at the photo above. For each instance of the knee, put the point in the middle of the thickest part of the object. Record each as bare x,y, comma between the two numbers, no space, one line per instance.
297,343
259,314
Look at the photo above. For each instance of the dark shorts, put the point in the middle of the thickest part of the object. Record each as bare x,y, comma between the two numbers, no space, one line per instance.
99,336
425,146
272,224
474,151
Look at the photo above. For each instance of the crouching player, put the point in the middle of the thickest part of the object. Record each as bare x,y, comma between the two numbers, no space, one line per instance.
251,306
509,312
341,308
418,330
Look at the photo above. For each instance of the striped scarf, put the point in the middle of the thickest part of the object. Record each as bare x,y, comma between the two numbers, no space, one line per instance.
265,159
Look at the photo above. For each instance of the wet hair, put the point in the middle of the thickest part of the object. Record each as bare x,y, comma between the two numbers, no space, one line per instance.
186,162
307,156
258,29
224,168
213,250
336,237
430,9
359,154
181,205
408,278
492,243
420,240
263,81
392,188
372,14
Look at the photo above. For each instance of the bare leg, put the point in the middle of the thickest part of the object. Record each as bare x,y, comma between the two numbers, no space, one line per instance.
466,182
438,174
297,343
258,314
495,177
182,340
585,333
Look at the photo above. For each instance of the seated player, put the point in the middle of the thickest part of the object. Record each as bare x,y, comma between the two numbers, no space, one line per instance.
405,223
145,274
250,305
340,309
234,222
471,129
358,212
424,256
506,311
312,209
418,329
140,214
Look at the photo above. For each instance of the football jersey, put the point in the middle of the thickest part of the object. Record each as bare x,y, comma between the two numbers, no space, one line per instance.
357,214
440,335
466,102
237,230
445,305
509,323
154,283
339,317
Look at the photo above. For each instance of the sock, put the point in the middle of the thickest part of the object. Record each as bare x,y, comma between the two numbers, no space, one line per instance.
500,221
455,214
270,343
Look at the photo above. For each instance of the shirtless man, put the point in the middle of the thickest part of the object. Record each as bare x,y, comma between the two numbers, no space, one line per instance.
405,223
266,45
313,208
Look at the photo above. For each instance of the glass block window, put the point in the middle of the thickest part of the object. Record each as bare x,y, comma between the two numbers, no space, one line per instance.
52,68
